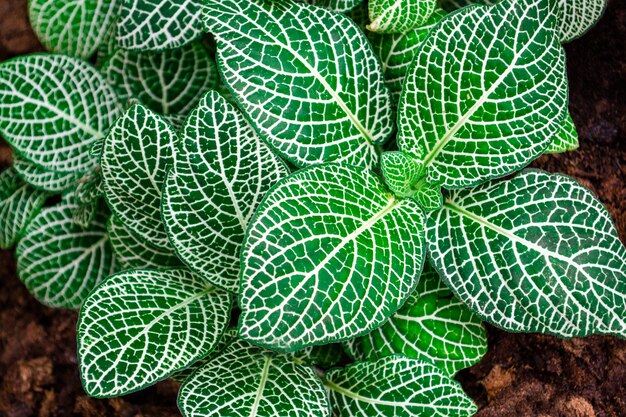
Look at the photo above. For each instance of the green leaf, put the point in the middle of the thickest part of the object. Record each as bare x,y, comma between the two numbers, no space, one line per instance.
577,17
452,5
53,109
324,356
170,82
399,16
133,252
395,386
329,256
221,172
248,381
317,92
335,5
19,202
141,326
485,94
566,138
537,253
75,28
396,51
156,25
433,326
59,261
136,155
44,179
401,172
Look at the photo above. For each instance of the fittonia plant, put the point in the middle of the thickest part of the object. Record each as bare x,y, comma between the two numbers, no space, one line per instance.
344,187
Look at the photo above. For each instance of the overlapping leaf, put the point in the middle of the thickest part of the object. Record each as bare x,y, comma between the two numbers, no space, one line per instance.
399,16
54,108
43,179
395,386
141,326
159,24
59,261
433,326
566,138
75,28
486,92
306,78
19,203
329,256
537,253
248,381
221,172
170,82
335,5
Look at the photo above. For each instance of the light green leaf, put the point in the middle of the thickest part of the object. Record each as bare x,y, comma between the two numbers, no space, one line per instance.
248,381
75,28
395,386
329,256
156,25
141,326
136,155
19,202
433,326
43,179
537,253
221,172
59,261
133,252
486,92
399,16
170,82
317,92
54,108
566,138
396,51
401,172
335,5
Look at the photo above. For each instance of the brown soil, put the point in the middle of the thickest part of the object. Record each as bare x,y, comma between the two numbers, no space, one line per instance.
522,374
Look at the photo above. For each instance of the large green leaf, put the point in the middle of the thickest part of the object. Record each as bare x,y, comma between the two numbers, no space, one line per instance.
537,253
141,326
316,92
395,386
433,326
329,256
169,82
75,28
59,261
566,138
19,202
53,109
399,16
248,381
44,179
485,94
159,24
335,5
136,155
221,172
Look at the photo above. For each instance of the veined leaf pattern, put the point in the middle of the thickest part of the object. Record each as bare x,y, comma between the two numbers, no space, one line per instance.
508,101
316,91
335,5
141,326
221,172
55,108
398,16
566,138
43,179
537,253
300,282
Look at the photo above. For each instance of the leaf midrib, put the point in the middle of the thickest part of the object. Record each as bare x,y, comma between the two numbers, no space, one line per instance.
261,387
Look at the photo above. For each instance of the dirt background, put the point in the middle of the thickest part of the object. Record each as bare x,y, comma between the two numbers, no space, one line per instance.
521,375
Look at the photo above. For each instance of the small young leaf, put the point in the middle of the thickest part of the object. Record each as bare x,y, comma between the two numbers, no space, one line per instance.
566,138
248,381
133,252
75,28
396,386
43,179
156,25
315,95
53,109
221,172
140,326
136,155
399,16
19,202
335,5
486,92
170,82
537,253
433,326
401,172
329,256
59,261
